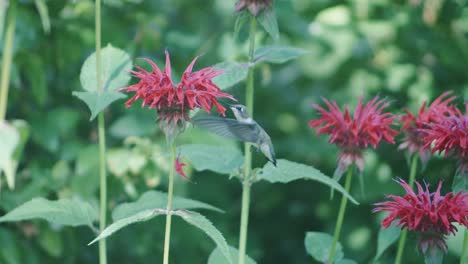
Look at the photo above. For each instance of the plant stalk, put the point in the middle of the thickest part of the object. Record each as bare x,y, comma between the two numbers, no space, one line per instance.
341,213
246,185
7,58
167,235
463,256
404,233
102,140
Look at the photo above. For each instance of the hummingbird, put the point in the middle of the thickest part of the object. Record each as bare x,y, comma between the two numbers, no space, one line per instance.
243,128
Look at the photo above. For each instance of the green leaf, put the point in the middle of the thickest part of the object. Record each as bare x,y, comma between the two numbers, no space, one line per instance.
268,20
206,226
10,171
155,199
220,159
233,73
460,181
278,54
9,139
98,101
138,217
44,14
288,171
318,246
387,236
217,257
345,261
62,212
115,65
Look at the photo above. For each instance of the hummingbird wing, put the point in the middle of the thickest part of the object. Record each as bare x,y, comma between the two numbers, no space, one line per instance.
230,128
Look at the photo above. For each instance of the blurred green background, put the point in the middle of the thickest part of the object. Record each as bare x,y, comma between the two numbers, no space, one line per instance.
408,51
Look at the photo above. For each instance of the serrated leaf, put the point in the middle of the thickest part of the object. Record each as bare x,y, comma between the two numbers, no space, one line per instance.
268,20
206,226
138,217
62,212
217,257
233,73
155,199
318,246
98,101
220,159
278,54
288,171
387,236
115,65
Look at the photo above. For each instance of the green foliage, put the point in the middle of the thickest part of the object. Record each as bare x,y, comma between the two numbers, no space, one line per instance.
62,212
154,199
288,171
268,20
318,246
217,257
277,54
233,73
220,159
387,236
115,68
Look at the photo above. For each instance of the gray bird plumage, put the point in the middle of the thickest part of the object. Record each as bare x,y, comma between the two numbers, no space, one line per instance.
243,128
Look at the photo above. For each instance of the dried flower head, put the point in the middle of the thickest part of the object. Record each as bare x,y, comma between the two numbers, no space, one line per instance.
173,101
254,6
412,124
367,127
430,214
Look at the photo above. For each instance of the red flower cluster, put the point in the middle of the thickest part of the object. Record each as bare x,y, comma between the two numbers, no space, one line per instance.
449,135
367,127
430,214
413,124
179,168
195,90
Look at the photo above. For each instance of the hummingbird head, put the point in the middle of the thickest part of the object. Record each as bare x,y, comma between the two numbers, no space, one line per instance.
240,111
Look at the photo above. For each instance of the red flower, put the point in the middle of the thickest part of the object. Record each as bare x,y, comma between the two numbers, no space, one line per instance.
367,127
195,90
430,214
412,124
178,167
449,135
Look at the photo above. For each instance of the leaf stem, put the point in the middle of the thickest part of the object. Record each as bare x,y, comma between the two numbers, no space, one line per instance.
7,58
167,236
463,256
246,185
404,233
341,213
102,140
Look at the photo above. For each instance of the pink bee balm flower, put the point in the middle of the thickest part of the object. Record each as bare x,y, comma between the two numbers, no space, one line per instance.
430,214
412,124
353,133
173,101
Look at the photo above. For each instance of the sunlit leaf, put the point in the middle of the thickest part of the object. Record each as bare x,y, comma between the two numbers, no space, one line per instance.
318,246
13,137
268,20
278,54
206,226
233,73
63,212
288,171
387,236
220,159
98,101
217,257
138,217
155,199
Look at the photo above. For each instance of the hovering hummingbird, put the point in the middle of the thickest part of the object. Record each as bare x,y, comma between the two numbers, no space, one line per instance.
243,128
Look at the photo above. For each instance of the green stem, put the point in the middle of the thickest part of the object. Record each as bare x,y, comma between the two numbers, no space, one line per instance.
465,249
7,58
102,140
341,213
404,233
246,185
167,236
